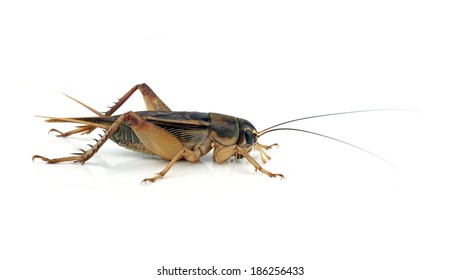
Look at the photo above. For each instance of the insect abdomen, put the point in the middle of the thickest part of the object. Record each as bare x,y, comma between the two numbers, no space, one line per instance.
125,137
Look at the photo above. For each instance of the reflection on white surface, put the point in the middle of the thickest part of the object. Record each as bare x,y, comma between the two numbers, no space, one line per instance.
336,203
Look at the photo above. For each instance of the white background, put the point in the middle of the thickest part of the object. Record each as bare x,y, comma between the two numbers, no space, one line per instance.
340,213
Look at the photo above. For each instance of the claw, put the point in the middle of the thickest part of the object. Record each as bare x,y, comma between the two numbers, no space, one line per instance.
57,131
153,179
41,157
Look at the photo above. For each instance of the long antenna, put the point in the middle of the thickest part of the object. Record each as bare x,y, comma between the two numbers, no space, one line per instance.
331,138
324,115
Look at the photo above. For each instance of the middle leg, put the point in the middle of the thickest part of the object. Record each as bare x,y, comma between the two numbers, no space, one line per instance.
189,155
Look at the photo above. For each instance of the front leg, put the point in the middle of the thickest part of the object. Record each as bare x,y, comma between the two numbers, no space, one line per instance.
222,153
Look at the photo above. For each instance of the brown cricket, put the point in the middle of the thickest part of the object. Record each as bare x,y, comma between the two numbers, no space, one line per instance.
175,135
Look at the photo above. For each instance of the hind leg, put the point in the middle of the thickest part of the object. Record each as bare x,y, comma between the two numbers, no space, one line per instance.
85,155
151,100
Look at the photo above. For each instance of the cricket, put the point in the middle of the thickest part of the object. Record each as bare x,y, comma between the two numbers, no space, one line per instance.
175,135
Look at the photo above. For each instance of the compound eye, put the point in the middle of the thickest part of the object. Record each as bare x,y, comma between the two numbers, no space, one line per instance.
249,137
